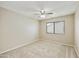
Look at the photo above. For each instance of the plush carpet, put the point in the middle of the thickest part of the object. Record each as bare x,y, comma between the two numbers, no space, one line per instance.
41,49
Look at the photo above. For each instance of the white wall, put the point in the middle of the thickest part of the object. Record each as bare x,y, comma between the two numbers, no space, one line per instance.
77,31
66,38
16,30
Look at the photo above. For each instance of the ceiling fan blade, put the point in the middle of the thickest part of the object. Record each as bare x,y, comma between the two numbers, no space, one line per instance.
49,13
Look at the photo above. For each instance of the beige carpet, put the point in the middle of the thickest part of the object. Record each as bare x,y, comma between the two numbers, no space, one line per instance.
41,49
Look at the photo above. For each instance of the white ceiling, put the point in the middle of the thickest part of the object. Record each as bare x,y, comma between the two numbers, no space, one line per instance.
29,8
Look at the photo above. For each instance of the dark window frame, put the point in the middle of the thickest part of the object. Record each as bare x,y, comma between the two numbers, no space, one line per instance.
46,27
54,27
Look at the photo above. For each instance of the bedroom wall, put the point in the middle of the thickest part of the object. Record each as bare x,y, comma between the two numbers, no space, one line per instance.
16,30
66,38
77,31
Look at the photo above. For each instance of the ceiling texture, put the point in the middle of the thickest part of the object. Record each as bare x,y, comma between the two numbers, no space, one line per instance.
31,8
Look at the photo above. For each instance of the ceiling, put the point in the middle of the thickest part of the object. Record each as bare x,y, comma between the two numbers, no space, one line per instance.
30,8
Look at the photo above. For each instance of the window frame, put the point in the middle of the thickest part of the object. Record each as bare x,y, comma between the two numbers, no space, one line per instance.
46,27
54,27
63,27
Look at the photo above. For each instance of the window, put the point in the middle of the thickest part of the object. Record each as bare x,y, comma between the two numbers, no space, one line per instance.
59,27
55,27
50,27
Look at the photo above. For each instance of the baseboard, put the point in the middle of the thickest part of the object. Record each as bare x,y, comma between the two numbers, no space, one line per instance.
32,41
76,50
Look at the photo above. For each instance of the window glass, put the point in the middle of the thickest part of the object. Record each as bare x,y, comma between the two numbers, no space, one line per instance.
59,27
50,27
55,27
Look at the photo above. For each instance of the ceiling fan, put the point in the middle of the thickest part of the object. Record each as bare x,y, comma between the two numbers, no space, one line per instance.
42,13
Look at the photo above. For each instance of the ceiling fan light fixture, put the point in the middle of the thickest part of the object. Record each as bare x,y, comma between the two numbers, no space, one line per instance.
42,16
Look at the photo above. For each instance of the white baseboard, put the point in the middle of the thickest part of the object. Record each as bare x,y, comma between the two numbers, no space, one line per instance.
76,50
32,41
